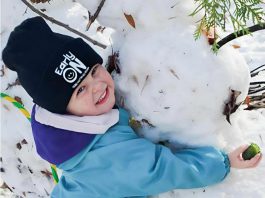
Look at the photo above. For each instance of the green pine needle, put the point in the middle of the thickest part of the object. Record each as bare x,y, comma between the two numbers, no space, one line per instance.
218,12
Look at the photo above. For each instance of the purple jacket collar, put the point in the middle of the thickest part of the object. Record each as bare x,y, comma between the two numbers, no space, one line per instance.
57,145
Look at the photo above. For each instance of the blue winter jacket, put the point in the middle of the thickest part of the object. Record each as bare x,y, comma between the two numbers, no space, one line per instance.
121,164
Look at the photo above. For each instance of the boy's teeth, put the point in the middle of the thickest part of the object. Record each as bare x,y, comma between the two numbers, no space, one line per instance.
101,97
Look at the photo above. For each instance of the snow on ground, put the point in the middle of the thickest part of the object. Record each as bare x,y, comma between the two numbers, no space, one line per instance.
140,57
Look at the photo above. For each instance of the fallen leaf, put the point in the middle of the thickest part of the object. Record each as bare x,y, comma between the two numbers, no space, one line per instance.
6,107
18,99
19,146
148,123
47,173
135,124
5,186
30,170
231,106
210,34
247,101
135,79
236,46
100,29
113,63
130,19
24,141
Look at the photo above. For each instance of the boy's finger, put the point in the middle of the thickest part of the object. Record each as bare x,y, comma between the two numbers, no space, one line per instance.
254,161
258,161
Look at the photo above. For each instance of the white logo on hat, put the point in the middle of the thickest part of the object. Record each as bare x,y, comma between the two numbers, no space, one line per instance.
70,67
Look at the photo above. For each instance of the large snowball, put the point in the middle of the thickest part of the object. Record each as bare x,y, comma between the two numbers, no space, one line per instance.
178,84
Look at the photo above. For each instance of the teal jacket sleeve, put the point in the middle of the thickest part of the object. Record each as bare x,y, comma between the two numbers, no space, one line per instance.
120,164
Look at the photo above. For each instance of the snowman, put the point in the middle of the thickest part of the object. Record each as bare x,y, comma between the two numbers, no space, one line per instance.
174,86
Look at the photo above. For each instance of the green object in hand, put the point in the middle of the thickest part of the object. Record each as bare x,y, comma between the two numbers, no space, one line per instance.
251,151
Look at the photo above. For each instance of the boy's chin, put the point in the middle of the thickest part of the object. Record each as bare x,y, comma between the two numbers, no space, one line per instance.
107,109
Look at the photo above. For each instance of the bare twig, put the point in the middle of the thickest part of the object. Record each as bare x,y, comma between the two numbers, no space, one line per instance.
256,91
257,105
39,1
2,71
258,68
13,84
257,83
257,98
93,18
256,71
240,33
174,73
261,138
5,186
63,25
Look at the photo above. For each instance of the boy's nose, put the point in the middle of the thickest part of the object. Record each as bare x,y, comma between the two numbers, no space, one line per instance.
98,87
94,90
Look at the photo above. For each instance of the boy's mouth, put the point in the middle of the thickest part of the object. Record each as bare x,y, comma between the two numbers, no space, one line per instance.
103,97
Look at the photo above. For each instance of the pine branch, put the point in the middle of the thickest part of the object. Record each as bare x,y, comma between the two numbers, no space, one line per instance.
240,33
215,12
63,25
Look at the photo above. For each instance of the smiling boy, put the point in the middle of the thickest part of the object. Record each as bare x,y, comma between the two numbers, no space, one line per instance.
76,127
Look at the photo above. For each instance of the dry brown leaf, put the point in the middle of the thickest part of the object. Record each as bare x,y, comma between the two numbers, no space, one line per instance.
24,141
100,29
18,99
247,101
113,63
145,121
135,124
231,106
135,79
5,186
236,46
130,19
19,147
46,173
6,107
210,35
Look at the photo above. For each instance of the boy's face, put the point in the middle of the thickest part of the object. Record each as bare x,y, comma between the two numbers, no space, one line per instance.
94,95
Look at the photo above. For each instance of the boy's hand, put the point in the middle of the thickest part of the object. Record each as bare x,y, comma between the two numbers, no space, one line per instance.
236,160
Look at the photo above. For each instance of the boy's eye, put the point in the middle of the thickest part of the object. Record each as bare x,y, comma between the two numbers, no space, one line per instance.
94,70
80,90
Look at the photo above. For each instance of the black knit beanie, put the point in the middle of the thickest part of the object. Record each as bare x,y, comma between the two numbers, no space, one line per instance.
49,65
